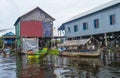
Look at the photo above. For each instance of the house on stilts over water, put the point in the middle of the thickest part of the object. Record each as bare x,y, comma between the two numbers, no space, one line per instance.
101,23
33,30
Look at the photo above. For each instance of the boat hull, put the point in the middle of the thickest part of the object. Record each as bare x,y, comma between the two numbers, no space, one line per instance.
78,54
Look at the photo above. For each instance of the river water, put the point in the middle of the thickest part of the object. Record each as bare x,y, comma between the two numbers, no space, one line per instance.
106,66
7,67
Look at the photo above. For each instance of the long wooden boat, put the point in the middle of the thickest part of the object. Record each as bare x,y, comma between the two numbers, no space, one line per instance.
85,54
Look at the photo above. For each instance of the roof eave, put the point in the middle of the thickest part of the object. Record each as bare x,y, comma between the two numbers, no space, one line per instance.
38,9
30,12
62,27
94,10
17,21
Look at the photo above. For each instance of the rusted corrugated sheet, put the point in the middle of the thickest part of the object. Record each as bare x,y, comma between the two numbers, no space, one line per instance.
31,29
47,29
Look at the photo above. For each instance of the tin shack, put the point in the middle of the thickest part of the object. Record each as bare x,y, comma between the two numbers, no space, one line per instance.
33,30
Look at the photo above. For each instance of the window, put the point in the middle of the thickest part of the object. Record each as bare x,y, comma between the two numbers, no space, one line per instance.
69,30
75,28
85,26
112,19
96,23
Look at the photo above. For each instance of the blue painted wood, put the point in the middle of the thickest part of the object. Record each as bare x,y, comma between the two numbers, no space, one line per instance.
104,23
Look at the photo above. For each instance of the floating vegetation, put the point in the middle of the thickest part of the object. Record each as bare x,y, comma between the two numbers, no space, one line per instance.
53,52
42,53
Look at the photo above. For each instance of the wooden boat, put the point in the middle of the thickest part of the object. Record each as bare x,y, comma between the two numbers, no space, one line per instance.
84,47
79,54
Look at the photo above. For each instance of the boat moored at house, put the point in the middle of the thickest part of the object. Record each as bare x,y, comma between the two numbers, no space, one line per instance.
79,48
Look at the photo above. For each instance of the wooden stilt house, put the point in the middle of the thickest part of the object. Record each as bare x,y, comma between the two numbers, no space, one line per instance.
34,24
9,40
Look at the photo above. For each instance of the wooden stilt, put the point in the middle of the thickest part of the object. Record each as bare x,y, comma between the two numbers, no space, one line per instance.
106,42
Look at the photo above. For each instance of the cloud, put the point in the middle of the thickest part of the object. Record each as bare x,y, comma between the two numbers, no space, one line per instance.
61,10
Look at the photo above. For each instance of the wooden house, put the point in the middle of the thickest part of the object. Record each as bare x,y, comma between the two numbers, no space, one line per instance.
9,40
101,23
34,24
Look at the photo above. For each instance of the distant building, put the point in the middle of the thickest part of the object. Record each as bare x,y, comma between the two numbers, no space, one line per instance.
9,39
102,23
34,24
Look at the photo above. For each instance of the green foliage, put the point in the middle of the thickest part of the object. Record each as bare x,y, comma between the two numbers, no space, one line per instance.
44,52
53,52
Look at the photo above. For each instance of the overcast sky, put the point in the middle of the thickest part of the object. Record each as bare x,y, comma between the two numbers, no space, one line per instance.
61,10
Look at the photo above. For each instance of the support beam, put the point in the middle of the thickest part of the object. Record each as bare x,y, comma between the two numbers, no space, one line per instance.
106,41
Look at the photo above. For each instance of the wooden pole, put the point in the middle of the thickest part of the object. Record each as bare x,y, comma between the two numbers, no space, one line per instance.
106,42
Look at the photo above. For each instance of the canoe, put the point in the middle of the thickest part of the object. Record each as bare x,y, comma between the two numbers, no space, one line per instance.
85,54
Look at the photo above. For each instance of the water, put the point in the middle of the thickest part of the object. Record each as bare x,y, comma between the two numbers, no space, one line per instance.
107,66
7,67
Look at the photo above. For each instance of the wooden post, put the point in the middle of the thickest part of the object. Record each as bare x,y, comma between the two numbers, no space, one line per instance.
52,37
91,36
106,42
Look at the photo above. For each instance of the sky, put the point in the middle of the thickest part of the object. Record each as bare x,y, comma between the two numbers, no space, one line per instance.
61,10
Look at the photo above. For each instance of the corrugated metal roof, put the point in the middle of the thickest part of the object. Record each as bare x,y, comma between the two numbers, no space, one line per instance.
30,12
9,34
105,5
75,42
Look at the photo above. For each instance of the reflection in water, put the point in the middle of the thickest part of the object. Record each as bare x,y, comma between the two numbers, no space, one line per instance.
80,67
107,66
33,68
7,67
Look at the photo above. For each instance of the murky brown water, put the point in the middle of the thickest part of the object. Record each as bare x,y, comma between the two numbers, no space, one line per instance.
107,66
